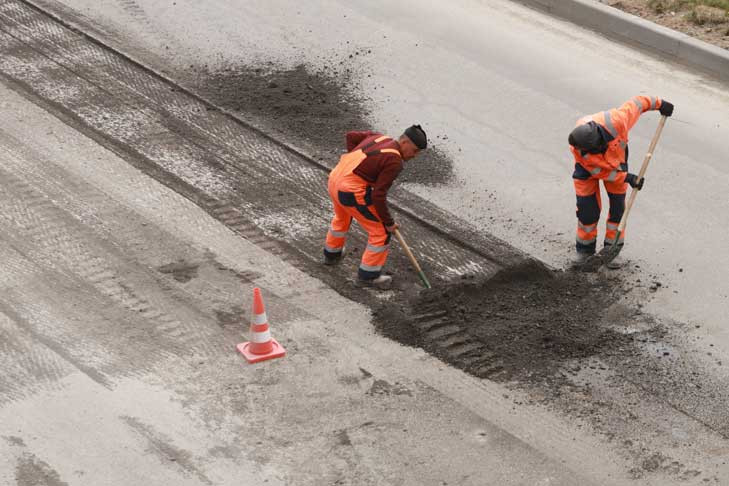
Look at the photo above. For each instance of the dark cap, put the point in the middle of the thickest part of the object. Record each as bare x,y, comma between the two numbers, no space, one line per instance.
417,136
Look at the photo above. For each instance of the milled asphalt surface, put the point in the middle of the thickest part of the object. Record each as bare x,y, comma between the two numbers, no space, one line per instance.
93,316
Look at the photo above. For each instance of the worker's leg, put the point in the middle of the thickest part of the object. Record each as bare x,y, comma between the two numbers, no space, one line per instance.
378,244
616,193
588,214
337,234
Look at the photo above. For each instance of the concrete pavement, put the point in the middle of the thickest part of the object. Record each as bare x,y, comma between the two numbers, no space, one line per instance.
122,304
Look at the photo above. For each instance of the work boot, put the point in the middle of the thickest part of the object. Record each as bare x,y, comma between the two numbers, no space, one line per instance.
332,259
616,263
579,258
383,282
327,260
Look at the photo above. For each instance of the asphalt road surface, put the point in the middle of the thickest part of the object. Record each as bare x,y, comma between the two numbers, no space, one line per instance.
137,217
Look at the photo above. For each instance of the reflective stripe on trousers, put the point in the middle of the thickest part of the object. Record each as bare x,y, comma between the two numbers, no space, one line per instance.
337,234
370,268
375,254
587,228
377,249
350,195
588,211
611,231
591,242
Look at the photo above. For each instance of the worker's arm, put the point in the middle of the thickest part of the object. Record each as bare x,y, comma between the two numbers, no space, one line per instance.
390,170
355,138
631,110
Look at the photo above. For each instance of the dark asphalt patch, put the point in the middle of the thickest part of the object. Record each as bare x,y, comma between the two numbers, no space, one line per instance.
31,470
234,318
309,108
181,270
523,324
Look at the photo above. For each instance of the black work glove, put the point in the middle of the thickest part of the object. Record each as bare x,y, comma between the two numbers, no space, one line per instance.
634,182
666,108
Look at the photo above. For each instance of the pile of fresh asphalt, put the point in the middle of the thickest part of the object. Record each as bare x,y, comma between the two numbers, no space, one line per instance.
528,320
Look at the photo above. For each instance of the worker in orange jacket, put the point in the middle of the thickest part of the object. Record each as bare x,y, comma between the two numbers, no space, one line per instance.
358,188
599,144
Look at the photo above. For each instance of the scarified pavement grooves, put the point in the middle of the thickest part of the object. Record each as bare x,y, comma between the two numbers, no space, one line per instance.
239,175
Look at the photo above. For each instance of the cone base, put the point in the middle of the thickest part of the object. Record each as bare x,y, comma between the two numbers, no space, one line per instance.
278,351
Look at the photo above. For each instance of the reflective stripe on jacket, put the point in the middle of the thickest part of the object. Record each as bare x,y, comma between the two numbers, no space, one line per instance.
617,122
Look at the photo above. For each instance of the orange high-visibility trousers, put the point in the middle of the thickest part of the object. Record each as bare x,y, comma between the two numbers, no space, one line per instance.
351,198
589,206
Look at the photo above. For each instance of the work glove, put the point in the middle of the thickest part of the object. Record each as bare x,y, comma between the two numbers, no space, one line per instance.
634,181
392,227
666,108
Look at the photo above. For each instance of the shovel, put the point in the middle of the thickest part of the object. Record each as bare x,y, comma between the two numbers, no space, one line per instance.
609,252
405,246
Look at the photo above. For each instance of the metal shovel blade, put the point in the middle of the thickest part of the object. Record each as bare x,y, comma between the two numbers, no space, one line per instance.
603,257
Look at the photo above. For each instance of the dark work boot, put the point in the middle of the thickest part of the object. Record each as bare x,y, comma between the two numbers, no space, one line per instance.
383,282
332,258
579,258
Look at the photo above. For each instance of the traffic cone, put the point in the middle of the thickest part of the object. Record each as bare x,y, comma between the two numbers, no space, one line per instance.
261,346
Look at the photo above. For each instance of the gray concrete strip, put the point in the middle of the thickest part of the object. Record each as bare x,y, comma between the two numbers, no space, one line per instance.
615,23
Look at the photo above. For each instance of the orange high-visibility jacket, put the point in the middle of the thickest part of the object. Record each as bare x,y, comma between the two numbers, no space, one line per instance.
617,122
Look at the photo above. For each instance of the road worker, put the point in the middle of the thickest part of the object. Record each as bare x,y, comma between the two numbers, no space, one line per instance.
599,144
358,187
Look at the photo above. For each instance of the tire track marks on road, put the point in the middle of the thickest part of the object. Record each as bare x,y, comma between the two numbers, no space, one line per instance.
26,365
59,242
40,324
157,93
241,152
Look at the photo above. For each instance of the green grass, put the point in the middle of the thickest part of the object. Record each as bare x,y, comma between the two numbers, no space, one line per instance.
698,11
662,6
722,4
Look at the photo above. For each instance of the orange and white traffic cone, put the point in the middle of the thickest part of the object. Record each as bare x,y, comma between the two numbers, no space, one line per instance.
261,346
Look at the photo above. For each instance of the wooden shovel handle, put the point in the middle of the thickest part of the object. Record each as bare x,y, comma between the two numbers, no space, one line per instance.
407,250
643,168
405,246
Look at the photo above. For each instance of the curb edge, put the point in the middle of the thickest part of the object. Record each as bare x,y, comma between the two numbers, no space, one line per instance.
626,27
